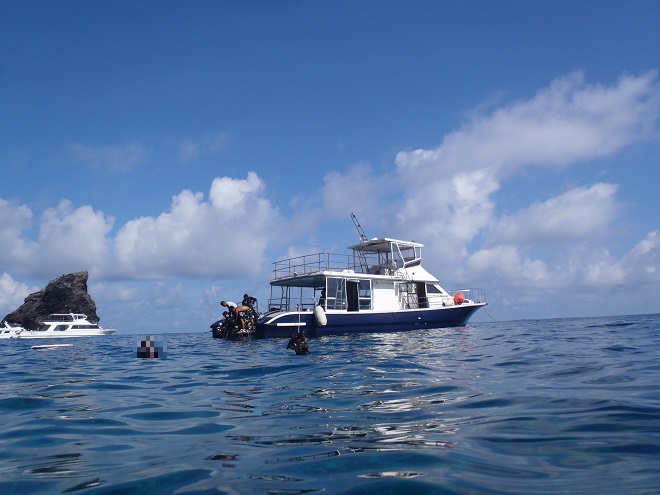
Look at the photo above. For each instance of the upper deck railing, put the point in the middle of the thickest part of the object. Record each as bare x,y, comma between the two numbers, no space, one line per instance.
311,263
359,262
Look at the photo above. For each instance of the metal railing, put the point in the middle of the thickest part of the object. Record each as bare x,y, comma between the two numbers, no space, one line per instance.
473,294
291,304
411,300
311,263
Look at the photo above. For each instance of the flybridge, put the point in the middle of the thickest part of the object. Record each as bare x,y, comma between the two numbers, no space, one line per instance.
373,257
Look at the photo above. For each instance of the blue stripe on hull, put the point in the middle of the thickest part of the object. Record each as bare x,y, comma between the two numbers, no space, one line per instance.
347,323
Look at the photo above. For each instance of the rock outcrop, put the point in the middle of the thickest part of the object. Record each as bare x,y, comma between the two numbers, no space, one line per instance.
66,294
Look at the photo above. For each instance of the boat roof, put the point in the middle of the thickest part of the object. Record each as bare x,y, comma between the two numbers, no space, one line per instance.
383,245
65,317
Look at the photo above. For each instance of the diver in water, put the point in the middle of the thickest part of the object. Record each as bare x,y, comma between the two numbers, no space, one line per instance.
298,343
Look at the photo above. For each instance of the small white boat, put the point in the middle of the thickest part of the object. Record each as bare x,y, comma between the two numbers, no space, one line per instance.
10,330
56,326
382,287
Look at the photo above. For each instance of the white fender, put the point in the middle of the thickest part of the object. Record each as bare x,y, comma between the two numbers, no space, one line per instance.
319,315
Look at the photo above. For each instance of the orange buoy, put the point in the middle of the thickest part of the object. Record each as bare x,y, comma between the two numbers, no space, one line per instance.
459,298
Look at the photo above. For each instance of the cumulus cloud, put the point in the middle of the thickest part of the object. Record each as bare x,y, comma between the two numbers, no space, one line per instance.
449,191
206,144
12,293
115,291
585,266
120,158
642,263
198,238
509,266
449,213
68,239
579,214
358,189
13,221
72,237
193,238
567,122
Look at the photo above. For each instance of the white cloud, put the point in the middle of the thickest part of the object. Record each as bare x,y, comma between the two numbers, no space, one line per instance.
115,291
448,191
13,221
583,267
206,144
224,236
12,293
507,265
567,122
120,158
579,214
195,238
642,263
71,239
359,189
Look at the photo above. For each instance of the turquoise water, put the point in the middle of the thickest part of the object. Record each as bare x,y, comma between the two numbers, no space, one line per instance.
523,407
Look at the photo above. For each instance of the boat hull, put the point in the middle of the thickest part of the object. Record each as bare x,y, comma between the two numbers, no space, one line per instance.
283,324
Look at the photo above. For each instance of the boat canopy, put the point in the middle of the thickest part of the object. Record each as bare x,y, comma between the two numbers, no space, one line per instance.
384,245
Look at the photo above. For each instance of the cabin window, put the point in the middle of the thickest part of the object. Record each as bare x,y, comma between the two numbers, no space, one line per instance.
336,293
408,295
364,294
351,295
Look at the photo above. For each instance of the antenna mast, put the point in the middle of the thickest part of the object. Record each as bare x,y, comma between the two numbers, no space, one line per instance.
363,239
363,236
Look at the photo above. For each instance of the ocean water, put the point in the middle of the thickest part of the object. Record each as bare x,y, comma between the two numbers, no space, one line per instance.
564,406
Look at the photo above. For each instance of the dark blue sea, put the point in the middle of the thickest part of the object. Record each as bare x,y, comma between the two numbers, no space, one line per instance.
562,406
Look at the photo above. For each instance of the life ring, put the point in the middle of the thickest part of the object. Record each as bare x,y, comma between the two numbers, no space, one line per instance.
459,299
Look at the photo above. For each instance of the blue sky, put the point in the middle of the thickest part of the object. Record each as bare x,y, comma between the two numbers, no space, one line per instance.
175,149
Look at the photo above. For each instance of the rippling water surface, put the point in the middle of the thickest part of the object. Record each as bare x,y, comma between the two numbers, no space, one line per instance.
524,407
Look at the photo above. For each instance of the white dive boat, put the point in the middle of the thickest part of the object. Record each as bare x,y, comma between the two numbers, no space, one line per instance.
381,287
56,326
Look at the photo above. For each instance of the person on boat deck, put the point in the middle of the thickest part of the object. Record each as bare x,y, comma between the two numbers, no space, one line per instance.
229,305
246,311
229,320
248,300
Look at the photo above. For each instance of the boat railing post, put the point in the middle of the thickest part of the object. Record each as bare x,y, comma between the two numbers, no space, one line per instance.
298,308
